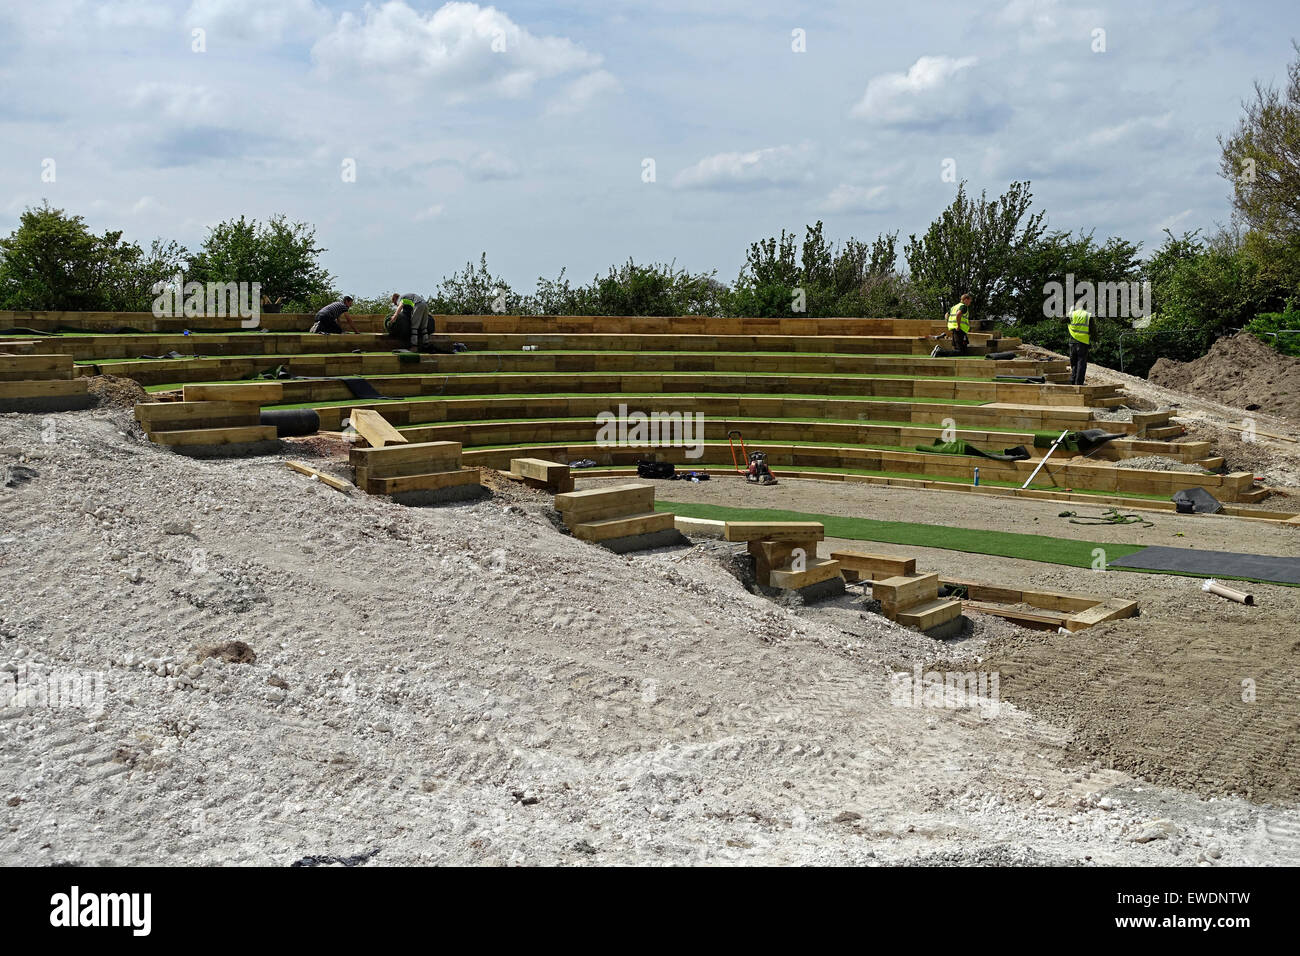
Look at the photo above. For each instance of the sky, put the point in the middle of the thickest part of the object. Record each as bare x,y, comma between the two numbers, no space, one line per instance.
415,136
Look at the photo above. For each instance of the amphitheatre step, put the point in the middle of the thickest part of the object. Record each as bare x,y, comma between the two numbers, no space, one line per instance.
625,526
565,383
1028,418
815,571
401,461
179,416
598,504
1065,475
538,473
774,531
904,591
216,368
867,566
453,324
234,435
27,368
44,395
929,615
430,481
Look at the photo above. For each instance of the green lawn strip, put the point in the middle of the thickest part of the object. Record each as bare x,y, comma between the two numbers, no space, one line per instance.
1005,544
614,399
431,373
717,418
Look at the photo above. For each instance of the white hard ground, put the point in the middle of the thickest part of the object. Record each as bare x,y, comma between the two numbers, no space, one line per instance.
466,684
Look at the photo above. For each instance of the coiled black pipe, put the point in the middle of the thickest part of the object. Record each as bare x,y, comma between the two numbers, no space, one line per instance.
292,422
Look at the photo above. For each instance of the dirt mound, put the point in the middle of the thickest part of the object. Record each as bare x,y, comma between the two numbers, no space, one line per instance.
1240,371
113,391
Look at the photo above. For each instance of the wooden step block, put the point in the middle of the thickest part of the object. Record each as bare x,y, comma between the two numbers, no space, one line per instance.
184,416
1038,619
263,393
774,555
24,368
873,567
397,461
43,388
815,571
929,614
1250,497
774,531
1164,431
425,482
539,473
216,436
898,593
599,504
1110,610
374,428
623,527
1211,464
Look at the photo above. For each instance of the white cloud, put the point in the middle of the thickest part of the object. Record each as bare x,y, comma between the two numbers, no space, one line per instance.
1110,135
917,96
771,166
577,95
177,101
461,51
258,20
849,198
432,212
488,165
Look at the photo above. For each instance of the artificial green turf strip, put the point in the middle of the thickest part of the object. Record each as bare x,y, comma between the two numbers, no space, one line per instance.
1005,544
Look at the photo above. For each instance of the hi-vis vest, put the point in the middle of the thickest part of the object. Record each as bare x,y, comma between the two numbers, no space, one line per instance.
959,317
410,302
1079,319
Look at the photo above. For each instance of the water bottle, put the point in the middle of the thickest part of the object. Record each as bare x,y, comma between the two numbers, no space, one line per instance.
977,476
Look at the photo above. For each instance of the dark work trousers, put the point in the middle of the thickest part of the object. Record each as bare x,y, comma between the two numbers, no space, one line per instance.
959,341
1078,361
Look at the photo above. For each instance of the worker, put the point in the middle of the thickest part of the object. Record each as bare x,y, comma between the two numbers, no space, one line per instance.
327,319
410,319
959,324
1081,333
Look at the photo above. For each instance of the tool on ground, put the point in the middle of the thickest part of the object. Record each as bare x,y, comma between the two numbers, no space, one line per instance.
759,472
732,442
1232,594
1109,516
1055,444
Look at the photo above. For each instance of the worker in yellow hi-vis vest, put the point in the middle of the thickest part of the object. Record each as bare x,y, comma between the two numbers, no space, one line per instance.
958,326
1081,333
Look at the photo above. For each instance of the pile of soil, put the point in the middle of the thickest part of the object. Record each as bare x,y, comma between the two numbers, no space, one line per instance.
114,391
1241,371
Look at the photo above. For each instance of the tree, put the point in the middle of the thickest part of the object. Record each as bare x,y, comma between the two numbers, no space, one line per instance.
281,255
974,247
1262,159
52,261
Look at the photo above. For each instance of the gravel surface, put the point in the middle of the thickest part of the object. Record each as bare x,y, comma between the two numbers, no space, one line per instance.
467,684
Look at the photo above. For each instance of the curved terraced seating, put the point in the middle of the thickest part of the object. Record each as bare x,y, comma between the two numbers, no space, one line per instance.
836,398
